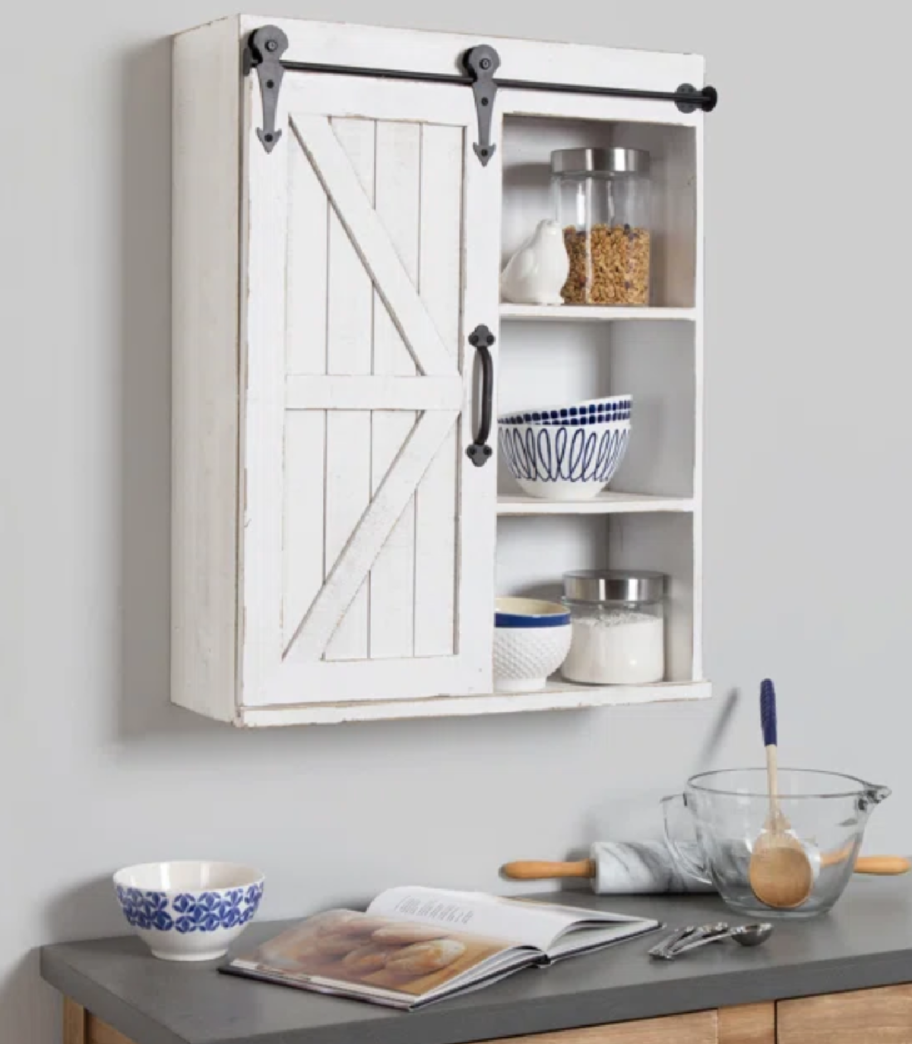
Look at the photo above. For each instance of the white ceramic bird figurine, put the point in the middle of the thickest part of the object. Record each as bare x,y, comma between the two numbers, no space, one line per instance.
536,273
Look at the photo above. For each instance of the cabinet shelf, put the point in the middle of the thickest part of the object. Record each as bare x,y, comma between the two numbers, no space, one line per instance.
591,313
603,504
559,695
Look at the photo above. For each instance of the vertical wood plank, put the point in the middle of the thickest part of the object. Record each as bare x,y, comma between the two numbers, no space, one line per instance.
398,205
305,304
440,285
74,1022
305,353
303,525
349,352
263,366
477,487
747,1024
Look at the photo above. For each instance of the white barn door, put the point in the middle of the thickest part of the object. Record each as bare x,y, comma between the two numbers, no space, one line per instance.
368,534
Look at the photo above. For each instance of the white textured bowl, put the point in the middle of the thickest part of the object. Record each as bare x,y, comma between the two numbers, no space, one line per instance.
572,457
188,911
531,641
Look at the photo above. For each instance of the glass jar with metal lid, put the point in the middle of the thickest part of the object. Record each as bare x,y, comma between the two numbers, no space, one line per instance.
602,201
618,626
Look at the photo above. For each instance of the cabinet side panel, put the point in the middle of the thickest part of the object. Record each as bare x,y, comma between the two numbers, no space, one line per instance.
205,369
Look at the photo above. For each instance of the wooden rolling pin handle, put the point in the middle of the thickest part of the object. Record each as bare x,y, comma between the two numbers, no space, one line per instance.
882,865
532,870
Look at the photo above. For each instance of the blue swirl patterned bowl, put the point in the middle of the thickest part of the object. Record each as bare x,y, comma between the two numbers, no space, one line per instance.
566,453
188,911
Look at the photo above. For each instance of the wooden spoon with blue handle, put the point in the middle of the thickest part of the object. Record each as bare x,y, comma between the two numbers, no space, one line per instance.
781,874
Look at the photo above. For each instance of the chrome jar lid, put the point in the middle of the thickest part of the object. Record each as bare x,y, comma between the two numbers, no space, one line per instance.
600,161
615,585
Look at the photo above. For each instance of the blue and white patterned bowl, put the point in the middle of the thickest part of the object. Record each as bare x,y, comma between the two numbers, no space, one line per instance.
591,411
566,453
531,640
188,911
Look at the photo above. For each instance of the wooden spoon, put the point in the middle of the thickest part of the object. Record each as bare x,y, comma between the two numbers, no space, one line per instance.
781,874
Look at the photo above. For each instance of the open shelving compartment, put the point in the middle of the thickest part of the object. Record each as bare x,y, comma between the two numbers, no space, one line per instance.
651,515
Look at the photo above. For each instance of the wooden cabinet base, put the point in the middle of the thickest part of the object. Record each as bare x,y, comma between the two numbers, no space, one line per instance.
879,1016
81,1027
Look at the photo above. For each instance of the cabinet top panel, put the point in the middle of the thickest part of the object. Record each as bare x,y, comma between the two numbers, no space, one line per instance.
422,51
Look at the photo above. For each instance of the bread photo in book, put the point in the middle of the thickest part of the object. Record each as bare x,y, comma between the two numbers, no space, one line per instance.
357,925
337,945
368,959
424,958
405,934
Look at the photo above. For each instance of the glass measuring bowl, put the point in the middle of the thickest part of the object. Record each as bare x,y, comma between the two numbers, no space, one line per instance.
826,811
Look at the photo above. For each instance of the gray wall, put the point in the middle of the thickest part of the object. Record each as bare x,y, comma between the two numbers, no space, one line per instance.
808,570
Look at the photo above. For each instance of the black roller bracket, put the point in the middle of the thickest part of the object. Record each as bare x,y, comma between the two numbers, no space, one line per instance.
480,63
265,47
689,99
481,339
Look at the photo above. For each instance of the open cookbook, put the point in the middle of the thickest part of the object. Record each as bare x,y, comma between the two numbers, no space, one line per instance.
417,945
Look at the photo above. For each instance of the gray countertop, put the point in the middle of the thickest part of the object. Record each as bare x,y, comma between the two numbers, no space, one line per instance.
865,941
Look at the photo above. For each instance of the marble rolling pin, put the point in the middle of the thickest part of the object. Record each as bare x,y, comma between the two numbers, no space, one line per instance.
647,867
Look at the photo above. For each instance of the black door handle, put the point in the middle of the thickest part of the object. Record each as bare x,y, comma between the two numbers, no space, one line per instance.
481,339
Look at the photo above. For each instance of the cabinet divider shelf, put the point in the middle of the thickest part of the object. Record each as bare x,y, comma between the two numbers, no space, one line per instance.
592,313
603,504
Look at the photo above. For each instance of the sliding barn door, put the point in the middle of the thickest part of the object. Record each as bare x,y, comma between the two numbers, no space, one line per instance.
367,533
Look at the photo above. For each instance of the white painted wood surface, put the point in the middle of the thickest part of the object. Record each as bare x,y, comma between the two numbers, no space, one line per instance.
331,564
592,313
557,696
398,205
604,504
204,381
380,391
351,146
443,157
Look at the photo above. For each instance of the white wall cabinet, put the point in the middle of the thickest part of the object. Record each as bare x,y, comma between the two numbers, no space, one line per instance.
335,552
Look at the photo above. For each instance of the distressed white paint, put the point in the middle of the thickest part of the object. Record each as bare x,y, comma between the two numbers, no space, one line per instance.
370,248
604,504
443,156
363,393
557,696
205,382
592,313
398,204
350,323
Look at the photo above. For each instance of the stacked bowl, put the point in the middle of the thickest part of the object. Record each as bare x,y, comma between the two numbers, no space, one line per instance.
566,452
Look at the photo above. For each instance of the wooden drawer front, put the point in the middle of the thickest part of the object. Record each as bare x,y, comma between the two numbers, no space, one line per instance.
881,1016
747,1024
676,1029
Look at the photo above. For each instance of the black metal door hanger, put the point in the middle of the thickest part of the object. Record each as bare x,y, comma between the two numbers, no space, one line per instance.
266,45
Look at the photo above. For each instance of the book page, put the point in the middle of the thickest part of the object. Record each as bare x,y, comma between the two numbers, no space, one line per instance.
513,921
385,959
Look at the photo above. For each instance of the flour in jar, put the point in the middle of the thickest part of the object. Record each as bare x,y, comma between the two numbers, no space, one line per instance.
616,647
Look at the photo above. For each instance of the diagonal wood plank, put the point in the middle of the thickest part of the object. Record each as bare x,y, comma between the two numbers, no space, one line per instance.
354,563
370,239
373,393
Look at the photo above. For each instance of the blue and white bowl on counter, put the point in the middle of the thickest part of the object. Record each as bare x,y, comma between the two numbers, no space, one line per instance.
566,452
531,641
188,911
